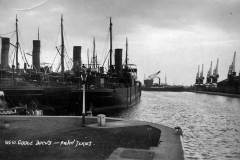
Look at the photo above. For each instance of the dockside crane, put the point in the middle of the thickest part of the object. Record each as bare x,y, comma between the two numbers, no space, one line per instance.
149,81
231,71
201,77
165,79
209,75
154,75
197,76
215,75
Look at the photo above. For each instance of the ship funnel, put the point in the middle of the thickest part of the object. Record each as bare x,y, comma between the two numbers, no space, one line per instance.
4,52
76,57
36,55
118,60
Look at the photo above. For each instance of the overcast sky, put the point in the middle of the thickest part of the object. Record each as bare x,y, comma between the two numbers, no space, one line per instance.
173,36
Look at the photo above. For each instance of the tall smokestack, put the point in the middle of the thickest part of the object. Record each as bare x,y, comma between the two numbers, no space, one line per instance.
4,52
76,56
118,60
36,55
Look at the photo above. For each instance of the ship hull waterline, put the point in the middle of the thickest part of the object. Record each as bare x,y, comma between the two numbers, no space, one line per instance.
64,101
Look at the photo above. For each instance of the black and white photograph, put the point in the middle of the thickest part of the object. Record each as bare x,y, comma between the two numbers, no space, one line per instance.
119,80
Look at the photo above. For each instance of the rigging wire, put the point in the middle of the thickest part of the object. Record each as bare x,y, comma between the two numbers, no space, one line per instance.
12,53
3,34
56,44
54,59
33,7
67,64
12,57
106,58
70,61
23,55
22,49
105,48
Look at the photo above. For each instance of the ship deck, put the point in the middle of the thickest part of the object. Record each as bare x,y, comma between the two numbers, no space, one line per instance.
51,137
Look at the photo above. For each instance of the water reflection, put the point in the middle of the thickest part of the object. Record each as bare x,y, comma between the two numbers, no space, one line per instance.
211,123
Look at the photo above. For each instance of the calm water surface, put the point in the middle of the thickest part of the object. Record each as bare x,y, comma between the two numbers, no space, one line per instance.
211,123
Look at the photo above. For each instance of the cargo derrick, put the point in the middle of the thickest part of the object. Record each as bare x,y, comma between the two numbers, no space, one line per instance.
197,77
215,75
209,75
149,81
231,71
201,77
232,83
165,80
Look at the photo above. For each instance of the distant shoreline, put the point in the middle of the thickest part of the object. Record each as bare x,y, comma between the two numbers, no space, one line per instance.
218,93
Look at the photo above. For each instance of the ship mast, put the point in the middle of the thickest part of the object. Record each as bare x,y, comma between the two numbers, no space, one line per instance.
197,77
233,63
215,71
94,57
126,51
201,78
209,74
88,56
231,71
38,33
17,44
201,74
62,46
165,79
110,30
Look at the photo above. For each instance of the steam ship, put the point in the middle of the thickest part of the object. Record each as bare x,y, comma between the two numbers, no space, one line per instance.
60,93
149,84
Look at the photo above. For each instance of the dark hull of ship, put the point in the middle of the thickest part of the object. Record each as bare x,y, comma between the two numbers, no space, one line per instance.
68,101
228,89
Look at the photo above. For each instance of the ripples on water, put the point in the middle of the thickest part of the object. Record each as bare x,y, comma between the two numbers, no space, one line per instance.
211,124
